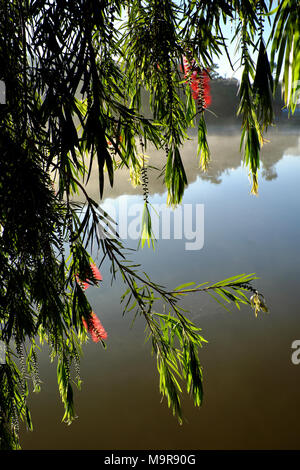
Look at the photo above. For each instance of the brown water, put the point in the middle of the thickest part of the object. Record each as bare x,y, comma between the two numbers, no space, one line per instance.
251,386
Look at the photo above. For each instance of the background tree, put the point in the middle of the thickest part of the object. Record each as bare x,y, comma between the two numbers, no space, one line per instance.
74,72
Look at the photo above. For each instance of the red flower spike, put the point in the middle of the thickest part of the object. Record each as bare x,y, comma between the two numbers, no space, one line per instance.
95,328
96,277
187,67
83,284
206,88
199,82
96,273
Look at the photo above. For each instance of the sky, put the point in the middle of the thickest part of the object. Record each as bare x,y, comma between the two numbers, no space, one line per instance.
225,69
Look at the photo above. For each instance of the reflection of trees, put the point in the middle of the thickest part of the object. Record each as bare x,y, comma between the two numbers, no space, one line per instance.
274,151
224,147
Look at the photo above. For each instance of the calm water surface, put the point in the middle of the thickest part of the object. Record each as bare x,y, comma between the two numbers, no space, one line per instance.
251,386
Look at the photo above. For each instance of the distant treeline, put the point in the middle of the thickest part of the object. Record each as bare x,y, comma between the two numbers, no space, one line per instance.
225,102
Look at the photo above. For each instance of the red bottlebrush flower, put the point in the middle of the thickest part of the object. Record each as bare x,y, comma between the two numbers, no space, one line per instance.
96,272
96,277
95,328
199,82
206,89
83,284
186,67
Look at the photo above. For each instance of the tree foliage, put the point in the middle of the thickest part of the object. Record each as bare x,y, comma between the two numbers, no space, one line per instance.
74,72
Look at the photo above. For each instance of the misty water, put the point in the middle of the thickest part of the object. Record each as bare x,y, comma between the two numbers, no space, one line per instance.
251,386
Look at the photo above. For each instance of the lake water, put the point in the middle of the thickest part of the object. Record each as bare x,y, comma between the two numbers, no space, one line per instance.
251,386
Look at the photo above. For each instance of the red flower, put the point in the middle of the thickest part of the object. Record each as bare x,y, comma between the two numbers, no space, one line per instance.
96,277
206,89
199,82
95,328
96,272
187,65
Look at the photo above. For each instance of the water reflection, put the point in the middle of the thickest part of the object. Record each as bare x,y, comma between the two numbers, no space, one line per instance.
251,387
225,156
